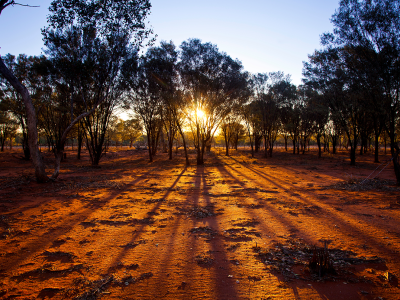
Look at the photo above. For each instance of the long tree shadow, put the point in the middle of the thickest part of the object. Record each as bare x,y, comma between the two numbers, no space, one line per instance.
340,219
223,284
64,225
139,230
352,293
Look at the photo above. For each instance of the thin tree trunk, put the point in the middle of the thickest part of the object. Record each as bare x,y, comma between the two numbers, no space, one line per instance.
319,145
37,160
149,147
376,148
285,138
184,144
294,146
352,154
396,165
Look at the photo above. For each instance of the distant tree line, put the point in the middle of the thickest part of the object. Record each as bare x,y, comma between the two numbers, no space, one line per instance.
92,69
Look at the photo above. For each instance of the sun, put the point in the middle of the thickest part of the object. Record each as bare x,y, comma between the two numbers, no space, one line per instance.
200,114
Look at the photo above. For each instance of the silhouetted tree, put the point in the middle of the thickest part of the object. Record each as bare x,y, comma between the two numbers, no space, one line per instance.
213,84
89,42
367,34
37,160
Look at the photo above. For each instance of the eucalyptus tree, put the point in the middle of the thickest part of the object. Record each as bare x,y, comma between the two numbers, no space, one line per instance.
231,129
152,94
37,160
238,132
8,126
275,106
21,67
89,42
318,113
161,65
213,84
314,116
114,23
251,118
132,129
326,72
286,98
371,29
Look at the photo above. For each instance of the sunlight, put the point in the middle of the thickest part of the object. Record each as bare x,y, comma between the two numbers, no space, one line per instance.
200,114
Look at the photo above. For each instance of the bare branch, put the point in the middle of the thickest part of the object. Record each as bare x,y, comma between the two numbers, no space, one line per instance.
5,3
26,5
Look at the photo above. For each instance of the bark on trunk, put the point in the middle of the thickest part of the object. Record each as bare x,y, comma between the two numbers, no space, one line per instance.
319,147
184,144
37,160
294,146
396,165
200,155
226,144
149,147
59,157
352,155
265,147
286,138
376,149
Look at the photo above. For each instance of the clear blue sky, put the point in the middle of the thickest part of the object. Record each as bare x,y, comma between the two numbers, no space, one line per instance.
266,35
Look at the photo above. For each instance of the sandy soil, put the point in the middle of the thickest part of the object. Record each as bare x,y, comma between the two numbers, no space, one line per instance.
236,228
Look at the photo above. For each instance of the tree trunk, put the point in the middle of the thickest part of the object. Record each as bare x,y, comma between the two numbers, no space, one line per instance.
396,165
376,148
59,157
170,147
285,138
236,141
352,154
271,147
334,143
200,154
319,145
265,147
37,160
163,144
96,157
294,146
25,146
80,140
184,143
226,146
149,147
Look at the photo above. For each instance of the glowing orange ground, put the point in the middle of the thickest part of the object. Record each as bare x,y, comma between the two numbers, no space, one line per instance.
137,230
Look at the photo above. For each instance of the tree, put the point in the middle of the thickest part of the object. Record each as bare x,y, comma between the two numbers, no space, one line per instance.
228,130
327,73
252,122
145,98
289,105
318,113
161,66
213,84
31,122
113,21
132,130
89,42
370,31
8,127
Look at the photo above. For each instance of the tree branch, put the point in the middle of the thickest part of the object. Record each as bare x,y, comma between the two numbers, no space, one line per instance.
5,3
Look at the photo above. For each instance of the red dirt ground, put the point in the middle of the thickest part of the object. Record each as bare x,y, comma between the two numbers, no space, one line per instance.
236,228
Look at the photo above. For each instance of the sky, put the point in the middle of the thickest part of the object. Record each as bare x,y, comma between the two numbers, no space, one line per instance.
265,35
